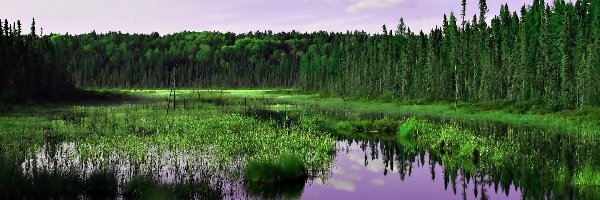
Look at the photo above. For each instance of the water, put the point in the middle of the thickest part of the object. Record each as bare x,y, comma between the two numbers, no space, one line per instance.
364,170
375,168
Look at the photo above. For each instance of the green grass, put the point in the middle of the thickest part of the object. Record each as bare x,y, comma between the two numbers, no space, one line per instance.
285,168
133,131
524,113
409,129
230,135
137,133
383,126
588,176
478,152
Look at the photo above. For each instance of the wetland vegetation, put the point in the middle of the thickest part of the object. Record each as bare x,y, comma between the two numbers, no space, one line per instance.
265,144
508,110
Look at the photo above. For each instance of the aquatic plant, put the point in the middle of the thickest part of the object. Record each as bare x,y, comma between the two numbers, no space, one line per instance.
141,137
587,176
285,168
410,128
379,126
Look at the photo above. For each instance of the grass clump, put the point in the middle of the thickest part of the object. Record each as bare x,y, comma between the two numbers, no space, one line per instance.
385,125
350,127
456,146
411,128
215,138
286,168
588,176
379,126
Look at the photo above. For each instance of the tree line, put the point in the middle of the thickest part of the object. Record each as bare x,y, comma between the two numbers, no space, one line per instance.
29,66
191,59
543,53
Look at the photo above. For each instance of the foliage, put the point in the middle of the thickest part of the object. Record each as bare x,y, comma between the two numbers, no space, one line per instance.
139,134
411,127
29,67
378,126
475,152
543,54
587,176
285,168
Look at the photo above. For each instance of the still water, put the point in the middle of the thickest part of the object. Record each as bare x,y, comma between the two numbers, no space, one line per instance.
374,170
361,169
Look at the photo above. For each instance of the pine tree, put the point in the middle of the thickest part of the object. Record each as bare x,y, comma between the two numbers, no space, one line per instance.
483,10
463,13
32,33
566,68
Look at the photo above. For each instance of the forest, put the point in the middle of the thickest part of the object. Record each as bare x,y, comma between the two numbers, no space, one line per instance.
480,107
544,53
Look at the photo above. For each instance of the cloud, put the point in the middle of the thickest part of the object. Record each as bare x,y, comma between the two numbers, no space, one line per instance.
370,4
343,185
377,181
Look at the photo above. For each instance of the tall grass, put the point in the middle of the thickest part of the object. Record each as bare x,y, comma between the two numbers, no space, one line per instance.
285,168
587,176
479,152
141,134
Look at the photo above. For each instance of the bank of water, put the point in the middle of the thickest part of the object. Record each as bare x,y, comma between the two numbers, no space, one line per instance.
367,164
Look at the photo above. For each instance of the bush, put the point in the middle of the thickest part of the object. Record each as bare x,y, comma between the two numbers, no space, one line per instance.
287,168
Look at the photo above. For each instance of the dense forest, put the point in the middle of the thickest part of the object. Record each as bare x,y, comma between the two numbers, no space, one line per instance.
30,67
546,53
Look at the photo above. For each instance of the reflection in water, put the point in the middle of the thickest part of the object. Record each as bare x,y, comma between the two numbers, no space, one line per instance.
169,167
548,162
381,170
363,169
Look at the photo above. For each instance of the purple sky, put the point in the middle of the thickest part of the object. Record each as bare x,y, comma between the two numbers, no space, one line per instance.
168,16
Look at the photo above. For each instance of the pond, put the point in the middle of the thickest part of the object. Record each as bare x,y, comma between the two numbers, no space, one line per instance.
380,170
362,169
364,165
